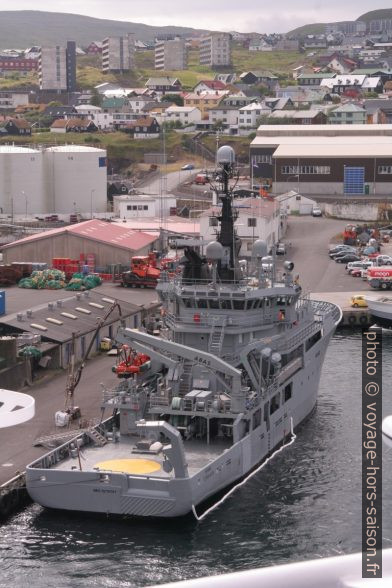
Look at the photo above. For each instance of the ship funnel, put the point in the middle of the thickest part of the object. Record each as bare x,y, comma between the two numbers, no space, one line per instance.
259,249
225,155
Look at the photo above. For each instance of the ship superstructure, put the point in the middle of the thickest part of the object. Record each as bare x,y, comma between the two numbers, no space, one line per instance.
236,366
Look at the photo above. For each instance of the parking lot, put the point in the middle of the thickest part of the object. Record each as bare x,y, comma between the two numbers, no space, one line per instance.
310,240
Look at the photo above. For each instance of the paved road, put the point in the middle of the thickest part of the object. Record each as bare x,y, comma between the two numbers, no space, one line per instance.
310,238
173,179
49,396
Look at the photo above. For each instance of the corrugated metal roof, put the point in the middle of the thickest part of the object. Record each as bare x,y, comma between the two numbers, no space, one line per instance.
59,327
97,230
366,148
319,140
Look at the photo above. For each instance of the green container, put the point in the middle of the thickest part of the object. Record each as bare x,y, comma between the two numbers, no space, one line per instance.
367,189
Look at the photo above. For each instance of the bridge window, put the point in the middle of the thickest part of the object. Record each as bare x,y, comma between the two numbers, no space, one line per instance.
313,340
239,304
202,303
256,418
274,403
288,392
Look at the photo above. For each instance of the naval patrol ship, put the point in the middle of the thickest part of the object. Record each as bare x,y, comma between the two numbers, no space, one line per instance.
235,368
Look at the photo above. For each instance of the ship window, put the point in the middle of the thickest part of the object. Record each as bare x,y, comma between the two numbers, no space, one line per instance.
313,340
250,304
274,403
256,418
214,303
202,303
281,301
226,304
187,302
238,304
288,392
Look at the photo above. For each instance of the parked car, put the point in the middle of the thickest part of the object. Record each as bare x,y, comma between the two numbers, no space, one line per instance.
363,264
280,249
188,166
316,211
356,272
343,251
382,260
358,301
202,179
338,248
348,257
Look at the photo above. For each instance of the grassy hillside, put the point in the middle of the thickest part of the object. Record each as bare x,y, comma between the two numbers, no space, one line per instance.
309,29
22,28
376,14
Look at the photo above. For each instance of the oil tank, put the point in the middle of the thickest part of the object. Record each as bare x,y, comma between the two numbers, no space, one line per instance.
76,177
21,181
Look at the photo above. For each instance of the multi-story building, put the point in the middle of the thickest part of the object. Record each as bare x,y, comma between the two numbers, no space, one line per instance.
57,68
118,53
215,50
170,54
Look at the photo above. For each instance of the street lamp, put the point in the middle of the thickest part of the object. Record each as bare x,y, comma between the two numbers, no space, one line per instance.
294,176
25,196
91,203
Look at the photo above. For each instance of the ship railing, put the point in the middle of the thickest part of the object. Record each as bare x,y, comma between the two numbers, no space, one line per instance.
244,284
158,401
322,308
209,320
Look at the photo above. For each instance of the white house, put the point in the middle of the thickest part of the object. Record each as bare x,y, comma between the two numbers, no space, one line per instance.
186,115
248,116
143,206
226,114
258,218
103,120
292,202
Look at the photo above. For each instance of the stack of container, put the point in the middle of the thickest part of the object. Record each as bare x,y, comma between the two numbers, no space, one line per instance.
67,265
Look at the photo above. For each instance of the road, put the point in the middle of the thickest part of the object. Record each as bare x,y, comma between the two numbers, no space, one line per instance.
173,179
310,238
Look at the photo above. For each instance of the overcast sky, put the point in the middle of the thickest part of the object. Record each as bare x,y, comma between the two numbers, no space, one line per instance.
239,15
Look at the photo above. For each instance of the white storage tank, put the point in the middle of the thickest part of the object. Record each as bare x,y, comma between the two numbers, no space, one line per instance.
76,178
21,181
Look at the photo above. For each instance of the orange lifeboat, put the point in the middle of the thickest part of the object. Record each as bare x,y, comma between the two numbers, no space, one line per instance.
130,362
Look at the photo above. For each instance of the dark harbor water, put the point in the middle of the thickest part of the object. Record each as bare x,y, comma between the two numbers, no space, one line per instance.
305,503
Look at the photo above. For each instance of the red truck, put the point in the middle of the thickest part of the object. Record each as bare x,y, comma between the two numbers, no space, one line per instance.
380,277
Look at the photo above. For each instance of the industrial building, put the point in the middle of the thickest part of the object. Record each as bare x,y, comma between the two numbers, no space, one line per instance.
215,50
170,54
343,160
61,180
144,206
109,243
118,54
57,68
56,322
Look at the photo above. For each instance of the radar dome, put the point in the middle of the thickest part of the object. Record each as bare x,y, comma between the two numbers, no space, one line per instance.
225,154
259,248
266,352
276,358
214,250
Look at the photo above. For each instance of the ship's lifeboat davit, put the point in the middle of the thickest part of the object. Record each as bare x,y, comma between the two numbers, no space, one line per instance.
131,362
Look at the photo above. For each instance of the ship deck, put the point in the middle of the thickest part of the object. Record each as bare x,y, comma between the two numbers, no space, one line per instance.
198,454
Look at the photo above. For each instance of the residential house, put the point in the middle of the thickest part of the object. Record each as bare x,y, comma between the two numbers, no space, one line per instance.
284,103
226,78
186,115
249,116
313,79
374,72
347,114
238,100
164,85
18,126
285,44
315,42
73,125
11,99
204,101
341,65
56,112
225,114
143,128
115,105
259,77
297,71
300,117
103,120
209,86
373,107
94,48
355,83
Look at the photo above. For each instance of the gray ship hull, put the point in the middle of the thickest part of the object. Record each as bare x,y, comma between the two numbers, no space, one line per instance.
381,311
154,496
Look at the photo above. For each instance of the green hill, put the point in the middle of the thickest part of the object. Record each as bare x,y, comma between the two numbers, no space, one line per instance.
23,28
376,14
309,29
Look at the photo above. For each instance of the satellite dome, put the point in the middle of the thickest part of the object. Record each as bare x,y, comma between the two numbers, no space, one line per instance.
214,250
259,248
266,352
225,154
276,358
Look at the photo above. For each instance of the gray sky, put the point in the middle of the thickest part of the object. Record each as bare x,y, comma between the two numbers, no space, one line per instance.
240,15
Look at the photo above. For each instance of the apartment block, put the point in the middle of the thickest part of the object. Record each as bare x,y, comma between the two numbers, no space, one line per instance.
170,54
57,68
215,50
118,53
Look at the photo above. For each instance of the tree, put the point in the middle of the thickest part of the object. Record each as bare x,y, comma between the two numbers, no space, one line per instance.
96,98
176,98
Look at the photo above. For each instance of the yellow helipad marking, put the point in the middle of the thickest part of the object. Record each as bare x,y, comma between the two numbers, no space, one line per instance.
129,466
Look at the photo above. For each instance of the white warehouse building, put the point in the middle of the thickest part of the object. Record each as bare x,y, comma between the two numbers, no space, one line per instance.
21,180
55,180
